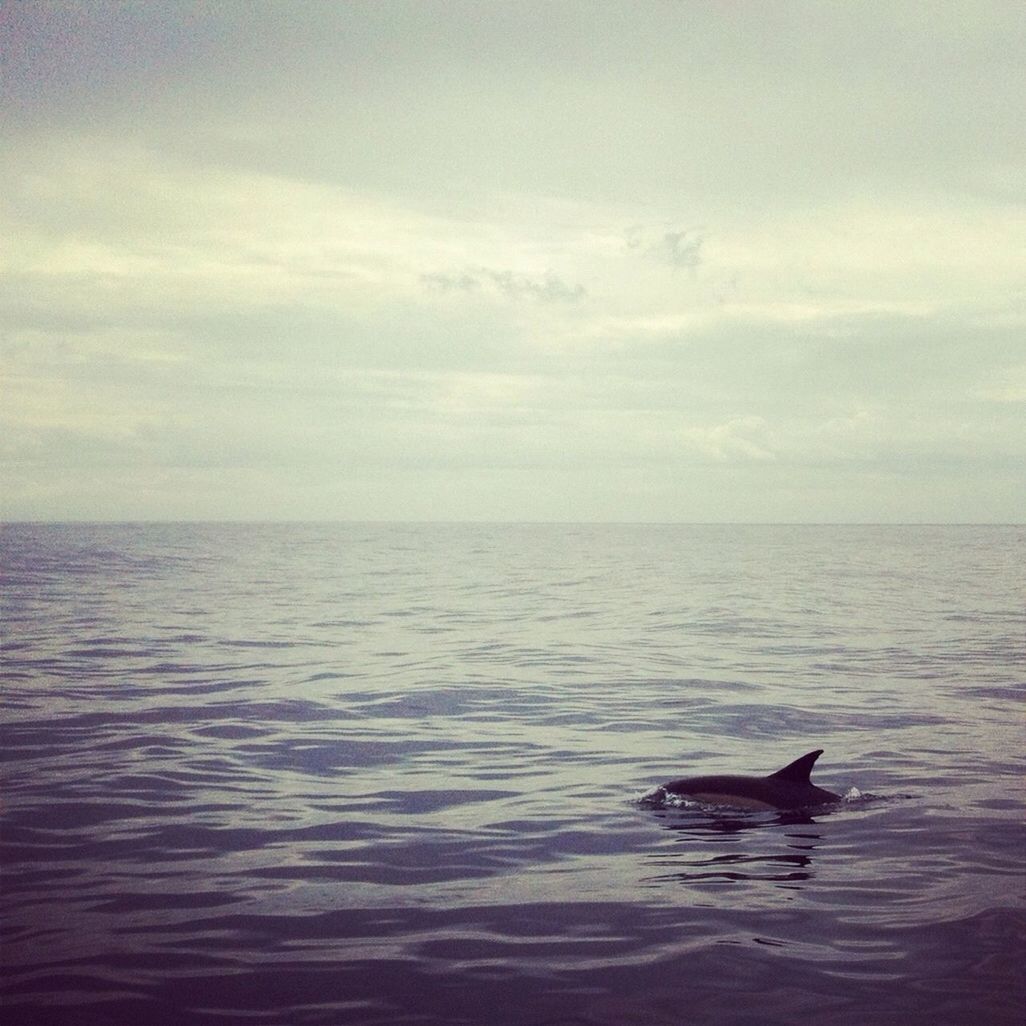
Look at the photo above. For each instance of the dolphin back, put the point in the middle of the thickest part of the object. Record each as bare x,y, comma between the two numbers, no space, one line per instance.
788,788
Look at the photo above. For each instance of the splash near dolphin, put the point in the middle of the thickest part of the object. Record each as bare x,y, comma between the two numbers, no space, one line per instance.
788,788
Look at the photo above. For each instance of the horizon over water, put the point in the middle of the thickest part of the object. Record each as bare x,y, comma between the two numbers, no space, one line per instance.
478,522
367,773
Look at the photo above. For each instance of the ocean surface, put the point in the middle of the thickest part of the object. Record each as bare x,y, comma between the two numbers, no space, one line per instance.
374,774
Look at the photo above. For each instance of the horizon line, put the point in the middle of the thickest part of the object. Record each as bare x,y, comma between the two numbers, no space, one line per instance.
113,522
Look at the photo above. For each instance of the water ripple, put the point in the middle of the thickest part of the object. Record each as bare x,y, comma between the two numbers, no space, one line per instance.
356,774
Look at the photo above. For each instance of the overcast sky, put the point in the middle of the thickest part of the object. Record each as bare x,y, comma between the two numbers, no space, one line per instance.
513,261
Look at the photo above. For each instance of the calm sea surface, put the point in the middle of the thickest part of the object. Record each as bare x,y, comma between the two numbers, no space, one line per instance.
369,774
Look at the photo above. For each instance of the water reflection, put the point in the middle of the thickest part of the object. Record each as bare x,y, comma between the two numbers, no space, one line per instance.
762,835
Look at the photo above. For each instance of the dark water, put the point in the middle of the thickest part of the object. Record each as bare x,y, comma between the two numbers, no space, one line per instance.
389,774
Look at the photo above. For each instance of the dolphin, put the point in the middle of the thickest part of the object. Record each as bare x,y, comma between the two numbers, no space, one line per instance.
788,788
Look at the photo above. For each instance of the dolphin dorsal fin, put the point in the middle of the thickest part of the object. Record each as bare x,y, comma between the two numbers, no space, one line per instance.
798,771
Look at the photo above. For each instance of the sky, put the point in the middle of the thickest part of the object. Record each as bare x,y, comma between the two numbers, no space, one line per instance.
541,261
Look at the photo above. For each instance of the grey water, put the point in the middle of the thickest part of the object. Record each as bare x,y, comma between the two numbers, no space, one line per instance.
367,774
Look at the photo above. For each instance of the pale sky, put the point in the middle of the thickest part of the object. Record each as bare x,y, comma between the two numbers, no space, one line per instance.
652,261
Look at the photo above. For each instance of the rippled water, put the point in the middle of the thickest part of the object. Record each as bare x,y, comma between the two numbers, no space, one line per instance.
355,774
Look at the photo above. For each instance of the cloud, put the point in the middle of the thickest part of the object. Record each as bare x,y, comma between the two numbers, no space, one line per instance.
461,282
679,247
543,288
381,247
742,437
682,248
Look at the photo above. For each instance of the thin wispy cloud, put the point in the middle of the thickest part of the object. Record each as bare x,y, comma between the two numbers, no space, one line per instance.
544,288
680,247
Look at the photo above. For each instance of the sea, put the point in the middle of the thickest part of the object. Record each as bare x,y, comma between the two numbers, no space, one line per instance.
365,774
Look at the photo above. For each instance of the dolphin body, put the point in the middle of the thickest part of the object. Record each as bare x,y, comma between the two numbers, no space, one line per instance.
788,788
